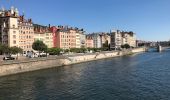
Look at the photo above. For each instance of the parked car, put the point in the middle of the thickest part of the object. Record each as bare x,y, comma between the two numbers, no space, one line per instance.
9,58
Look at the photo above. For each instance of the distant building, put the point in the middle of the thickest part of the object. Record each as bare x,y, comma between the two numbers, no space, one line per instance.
116,39
105,37
69,37
119,38
82,39
89,42
97,41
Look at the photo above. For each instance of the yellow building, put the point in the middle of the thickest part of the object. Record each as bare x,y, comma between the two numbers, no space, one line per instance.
42,33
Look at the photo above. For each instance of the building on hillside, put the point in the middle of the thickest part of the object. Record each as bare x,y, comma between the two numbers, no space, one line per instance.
119,38
89,42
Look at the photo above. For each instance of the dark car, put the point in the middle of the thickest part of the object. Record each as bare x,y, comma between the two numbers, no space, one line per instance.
8,58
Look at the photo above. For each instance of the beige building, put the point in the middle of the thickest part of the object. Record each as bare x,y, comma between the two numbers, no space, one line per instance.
119,38
9,27
42,33
105,37
15,30
129,38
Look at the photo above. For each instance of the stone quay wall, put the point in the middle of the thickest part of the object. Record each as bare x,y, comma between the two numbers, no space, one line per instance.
14,67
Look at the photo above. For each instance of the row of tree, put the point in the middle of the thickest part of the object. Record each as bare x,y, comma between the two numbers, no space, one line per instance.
4,49
40,46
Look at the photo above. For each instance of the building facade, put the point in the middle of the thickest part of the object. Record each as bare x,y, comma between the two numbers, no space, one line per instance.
89,42
26,34
15,30
9,27
119,38
105,38
44,34
97,42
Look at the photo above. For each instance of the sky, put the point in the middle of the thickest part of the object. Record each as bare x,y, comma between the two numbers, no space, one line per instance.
149,19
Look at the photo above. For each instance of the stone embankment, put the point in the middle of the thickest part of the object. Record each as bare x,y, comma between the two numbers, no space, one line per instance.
14,67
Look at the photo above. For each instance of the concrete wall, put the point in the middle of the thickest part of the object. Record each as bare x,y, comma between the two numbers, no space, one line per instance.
37,64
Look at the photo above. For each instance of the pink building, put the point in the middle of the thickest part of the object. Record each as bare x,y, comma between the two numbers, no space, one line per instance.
89,42
65,38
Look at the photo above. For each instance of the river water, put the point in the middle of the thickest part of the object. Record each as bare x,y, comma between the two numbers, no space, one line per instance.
144,76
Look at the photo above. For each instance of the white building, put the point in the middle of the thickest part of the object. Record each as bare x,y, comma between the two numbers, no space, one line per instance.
97,42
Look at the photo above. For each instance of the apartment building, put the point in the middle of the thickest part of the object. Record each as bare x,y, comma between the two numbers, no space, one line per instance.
44,34
66,38
97,41
119,38
89,42
105,37
26,34
15,30
9,27
82,39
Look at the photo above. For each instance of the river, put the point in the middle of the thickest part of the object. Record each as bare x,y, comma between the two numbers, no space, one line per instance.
144,76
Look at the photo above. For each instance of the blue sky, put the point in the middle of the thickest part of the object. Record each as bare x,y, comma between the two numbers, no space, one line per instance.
149,19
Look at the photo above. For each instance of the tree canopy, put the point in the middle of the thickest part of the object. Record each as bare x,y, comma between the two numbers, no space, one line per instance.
39,46
127,46
15,50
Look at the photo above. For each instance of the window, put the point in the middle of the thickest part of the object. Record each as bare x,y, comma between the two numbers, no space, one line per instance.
14,42
13,26
14,36
14,32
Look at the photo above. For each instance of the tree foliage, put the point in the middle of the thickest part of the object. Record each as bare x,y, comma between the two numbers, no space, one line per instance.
39,46
78,50
127,46
4,49
15,50
54,51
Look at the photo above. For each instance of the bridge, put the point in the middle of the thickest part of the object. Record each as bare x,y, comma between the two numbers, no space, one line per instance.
161,48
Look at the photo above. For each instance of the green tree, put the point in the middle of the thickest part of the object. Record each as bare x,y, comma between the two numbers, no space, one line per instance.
15,50
54,51
127,46
39,46
4,49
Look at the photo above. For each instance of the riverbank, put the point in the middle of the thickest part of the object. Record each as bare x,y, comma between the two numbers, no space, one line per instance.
14,67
